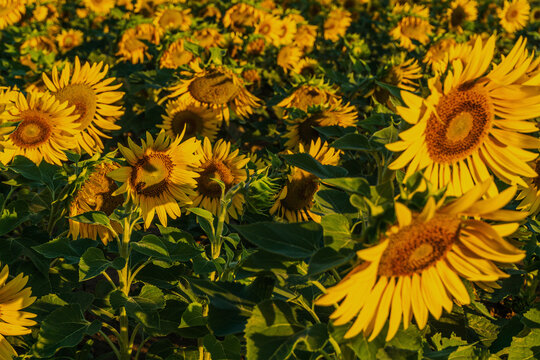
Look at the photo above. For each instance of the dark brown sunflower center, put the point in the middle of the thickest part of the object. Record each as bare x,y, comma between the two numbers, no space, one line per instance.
306,132
419,245
191,121
97,192
536,14
214,88
536,180
150,175
458,16
463,119
214,170
309,97
512,14
33,130
411,27
265,29
84,99
300,192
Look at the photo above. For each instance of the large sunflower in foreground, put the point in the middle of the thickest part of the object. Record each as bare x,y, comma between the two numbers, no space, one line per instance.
219,89
11,11
191,120
159,175
228,166
416,268
13,322
43,129
93,96
95,194
514,15
295,200
472,122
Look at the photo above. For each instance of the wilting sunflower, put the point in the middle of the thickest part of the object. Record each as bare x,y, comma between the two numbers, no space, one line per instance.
43,129
173,19
219,163
336,24
471,123
159,176
216,88
69,39
95,194
417,265
13,298
530,196
514,15
93,96
176,56
191,120
99,6
11,11
288,58
461,11
301,131
294,202
131,46
308,95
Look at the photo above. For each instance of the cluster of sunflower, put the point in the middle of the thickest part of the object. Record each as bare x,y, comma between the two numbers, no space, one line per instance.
404,132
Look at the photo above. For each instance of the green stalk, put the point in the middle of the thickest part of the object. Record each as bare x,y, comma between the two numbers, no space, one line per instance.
124,278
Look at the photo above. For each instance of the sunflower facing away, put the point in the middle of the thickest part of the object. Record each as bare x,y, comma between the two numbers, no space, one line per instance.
93,96
219,163
295,200
191,120
416,268
11,11
44,129
218,89
514,15
95,194
159,175
472,122
13,322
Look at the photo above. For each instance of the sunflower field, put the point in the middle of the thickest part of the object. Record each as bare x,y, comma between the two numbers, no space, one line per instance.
269,179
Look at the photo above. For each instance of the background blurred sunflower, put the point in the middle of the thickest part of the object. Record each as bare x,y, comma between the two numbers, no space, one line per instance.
514,15
191,120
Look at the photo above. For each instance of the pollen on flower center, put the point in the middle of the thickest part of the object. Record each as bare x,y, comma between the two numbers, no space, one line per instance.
151,174
214,88
462,120
300,192
84,100
32,131
419,245
214,170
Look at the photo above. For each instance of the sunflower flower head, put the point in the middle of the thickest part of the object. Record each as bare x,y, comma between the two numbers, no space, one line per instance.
11,11
460,12
419,263
514,15
336,24
159,176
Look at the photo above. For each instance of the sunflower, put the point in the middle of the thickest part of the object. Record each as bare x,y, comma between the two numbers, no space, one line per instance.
256,46
461,11
535,14
191,120
530,196
159,175
336,24
411,28
301,131
217,88
514,15
308,95
294,202
95,194
8,96
307,67
11,11
173,19
241,15
405,75
305,37
472,122
40,43
268,27
416,267
210,11
131,46
288,58
13,298
93,96
437,54
286,30
219,163
69,39
176,56
99,6
44,129
208,38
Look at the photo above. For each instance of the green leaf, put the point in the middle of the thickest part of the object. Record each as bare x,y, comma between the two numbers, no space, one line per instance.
168,249
334,131
71,250
13,215
337,231
144,307
295,240
26,168
356,142
64,327
205,219
327,258
525,346
93,263
308,163
353,185
532,317
228,349
193,316
93,217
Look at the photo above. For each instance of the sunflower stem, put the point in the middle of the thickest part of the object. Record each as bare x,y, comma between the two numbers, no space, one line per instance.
124,278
